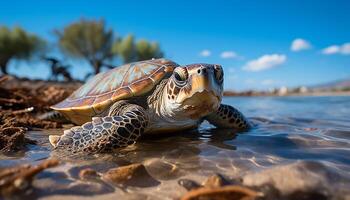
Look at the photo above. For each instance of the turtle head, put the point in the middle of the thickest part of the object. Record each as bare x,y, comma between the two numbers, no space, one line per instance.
195,90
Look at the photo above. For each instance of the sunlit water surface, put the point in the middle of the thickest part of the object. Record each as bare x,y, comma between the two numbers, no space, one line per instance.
285,129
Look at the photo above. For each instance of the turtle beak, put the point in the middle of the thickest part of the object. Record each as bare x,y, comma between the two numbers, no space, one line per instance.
204,82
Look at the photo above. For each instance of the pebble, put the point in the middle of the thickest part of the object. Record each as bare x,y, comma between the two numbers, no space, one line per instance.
130,175
215,180
88,173
307,179
188,184
162,170
17,179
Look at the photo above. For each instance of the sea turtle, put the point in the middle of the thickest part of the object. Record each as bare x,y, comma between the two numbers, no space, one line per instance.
116,107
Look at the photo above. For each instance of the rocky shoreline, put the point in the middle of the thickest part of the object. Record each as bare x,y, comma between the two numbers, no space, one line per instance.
21,101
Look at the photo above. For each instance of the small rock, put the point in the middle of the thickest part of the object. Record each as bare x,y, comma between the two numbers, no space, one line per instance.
233,192
215,180
130,175
188,184
162,170
18,179
306,178
88,173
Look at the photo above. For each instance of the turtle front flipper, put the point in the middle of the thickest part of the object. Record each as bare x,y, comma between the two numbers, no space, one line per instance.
104,133
228,117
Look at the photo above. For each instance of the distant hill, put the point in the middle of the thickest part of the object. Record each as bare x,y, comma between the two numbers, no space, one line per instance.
334,85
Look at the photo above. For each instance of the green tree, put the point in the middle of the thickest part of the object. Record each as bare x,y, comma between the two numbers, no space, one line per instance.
126,49
146,50
131,51
17,44
89,40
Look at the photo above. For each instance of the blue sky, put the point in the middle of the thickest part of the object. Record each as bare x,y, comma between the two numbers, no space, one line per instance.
251,39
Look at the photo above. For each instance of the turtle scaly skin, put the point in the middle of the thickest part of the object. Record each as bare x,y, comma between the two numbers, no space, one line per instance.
228,117
106,133
149,97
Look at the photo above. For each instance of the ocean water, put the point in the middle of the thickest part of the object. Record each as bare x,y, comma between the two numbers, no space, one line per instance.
285,129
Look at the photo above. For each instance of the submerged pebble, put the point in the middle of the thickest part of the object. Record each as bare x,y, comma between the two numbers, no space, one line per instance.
130,175
188,184
162,170
19,178
303,178
215,180
88,173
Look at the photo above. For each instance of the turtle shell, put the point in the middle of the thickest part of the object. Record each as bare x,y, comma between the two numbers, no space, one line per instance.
130,80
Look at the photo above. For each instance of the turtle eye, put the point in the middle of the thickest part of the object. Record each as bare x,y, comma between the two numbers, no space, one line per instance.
180,74
219,73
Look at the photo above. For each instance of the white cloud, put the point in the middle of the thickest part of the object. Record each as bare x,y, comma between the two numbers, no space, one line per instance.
337,49
300,44
205,53
331,50
265,62
228,54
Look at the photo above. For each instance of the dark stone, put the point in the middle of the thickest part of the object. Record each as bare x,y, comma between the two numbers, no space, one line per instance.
188,184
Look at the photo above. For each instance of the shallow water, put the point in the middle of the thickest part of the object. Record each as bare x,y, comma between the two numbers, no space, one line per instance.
285,129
